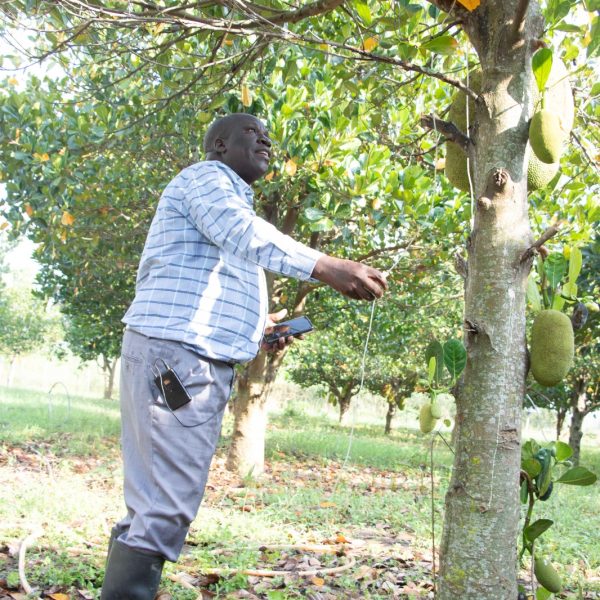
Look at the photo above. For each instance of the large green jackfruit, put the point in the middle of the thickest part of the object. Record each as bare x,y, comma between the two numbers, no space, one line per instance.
546,575
547,136
539,174
558,99
552,347
426,420
558,96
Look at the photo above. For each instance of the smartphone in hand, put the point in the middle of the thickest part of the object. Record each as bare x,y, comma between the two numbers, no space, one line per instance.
293,327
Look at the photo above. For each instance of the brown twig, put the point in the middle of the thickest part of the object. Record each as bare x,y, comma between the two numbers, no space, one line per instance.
535,247
449,130
519,20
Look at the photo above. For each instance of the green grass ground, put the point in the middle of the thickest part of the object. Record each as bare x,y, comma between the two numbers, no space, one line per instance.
60,477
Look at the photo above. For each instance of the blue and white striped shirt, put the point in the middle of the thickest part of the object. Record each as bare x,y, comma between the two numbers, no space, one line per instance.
200,279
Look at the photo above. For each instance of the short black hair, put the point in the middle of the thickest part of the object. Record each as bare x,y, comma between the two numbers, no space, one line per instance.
221,128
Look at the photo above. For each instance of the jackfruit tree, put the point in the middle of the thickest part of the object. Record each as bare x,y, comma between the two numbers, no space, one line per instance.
378,64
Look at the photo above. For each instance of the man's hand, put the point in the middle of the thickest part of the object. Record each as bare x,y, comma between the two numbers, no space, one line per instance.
350,278
282,342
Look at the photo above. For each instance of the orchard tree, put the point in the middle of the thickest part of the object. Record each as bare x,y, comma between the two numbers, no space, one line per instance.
26,325
379,54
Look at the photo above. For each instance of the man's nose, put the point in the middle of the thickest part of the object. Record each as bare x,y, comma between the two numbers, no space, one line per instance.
264,138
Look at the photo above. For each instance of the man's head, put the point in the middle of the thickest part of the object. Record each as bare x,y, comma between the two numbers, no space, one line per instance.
242,142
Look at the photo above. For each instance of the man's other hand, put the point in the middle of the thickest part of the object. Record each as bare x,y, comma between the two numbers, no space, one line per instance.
350,278
282,342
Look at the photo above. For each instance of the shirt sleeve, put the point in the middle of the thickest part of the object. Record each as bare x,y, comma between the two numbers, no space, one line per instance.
225,217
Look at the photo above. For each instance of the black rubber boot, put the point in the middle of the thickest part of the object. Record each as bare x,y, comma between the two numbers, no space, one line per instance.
131,575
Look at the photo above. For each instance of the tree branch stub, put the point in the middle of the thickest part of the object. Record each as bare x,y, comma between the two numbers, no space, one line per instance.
449,130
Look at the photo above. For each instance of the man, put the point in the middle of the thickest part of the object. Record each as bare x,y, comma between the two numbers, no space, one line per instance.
200,307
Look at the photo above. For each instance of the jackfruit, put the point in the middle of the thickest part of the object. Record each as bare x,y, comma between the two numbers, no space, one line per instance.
436,410
547,136
558,96
426,420
546,575
456,167
539,174
552,347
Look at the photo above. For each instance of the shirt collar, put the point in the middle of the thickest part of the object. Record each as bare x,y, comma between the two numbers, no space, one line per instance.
234,176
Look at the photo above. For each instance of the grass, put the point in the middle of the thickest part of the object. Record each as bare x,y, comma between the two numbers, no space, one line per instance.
60,475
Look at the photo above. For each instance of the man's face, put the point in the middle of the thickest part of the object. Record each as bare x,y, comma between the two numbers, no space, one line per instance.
247,148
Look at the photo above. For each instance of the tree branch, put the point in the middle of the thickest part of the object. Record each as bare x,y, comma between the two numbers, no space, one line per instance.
535,247
449,130
519,20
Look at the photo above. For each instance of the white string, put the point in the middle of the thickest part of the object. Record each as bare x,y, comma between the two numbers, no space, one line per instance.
363,363
362,380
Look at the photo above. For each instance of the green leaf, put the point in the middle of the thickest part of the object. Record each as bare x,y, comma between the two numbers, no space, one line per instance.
435,350
569,290
524,492
563,451
533,294
541,63
558,303
455,357
542,593
432,370
531,466
443,44
537,528
578,476
575,263
594,45
364,12
529,449
313,214
555,267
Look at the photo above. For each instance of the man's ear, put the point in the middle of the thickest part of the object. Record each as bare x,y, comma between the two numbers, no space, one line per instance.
220,146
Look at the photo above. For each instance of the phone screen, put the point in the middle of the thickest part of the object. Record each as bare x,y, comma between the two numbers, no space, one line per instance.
292,327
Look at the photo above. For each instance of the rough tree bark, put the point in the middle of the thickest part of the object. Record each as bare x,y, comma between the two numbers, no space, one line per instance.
109,367
246,453
479,545
391,411
344,400
578,413
561,414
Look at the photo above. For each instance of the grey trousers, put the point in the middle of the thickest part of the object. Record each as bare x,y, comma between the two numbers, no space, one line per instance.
166,464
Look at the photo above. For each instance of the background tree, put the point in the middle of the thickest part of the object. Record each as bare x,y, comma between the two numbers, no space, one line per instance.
26,325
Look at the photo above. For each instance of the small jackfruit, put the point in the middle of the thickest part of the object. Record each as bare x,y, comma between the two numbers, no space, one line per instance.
426,419
539,174
547,136
436,410
546,575
552,347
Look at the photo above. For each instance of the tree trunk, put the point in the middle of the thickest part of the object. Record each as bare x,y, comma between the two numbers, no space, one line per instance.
478,554
109,368
561,414
578,412
11,369
344,405
247,450
391,411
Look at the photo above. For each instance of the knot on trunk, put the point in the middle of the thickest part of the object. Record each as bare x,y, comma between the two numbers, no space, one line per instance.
500,178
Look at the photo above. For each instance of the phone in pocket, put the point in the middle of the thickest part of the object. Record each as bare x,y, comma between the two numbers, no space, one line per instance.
172,390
